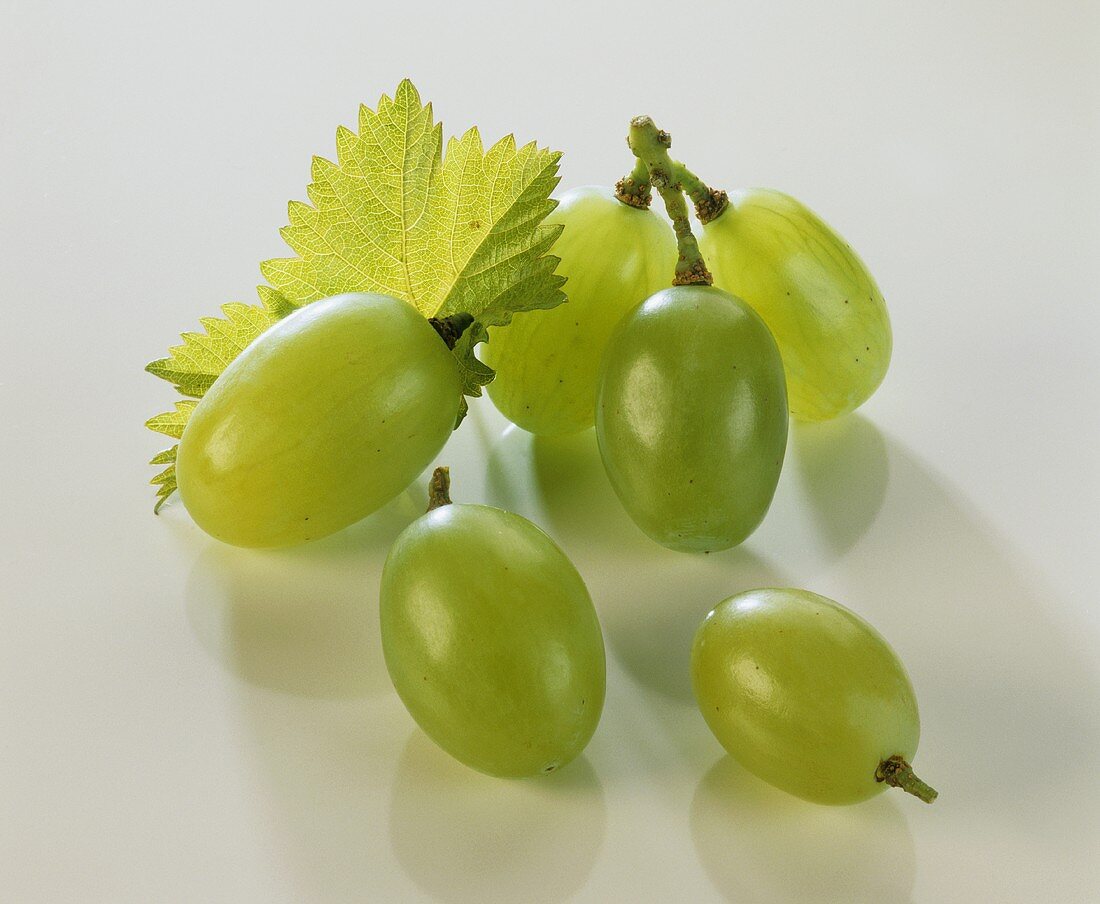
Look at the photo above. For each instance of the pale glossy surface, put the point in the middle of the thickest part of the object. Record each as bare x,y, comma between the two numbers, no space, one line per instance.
187,722
613,258
322,420
691,418
491,640
813,291
804,693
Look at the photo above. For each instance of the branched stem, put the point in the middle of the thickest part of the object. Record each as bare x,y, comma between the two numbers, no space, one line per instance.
634,190
709,202
650,145
897,772
439,488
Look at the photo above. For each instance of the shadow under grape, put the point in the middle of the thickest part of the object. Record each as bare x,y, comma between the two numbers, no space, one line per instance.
760,844
303,620
468,838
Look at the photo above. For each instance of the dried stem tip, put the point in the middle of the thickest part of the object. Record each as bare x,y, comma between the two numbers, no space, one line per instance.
439,488
898,773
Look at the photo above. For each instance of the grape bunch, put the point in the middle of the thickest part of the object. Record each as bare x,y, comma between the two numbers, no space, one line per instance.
687,358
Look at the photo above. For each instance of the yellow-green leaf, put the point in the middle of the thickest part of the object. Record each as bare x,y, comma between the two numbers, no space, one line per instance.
460,232
171,423
449,233
194,366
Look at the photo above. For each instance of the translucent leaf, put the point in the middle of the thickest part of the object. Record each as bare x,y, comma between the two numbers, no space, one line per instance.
194,366
171,423
460,232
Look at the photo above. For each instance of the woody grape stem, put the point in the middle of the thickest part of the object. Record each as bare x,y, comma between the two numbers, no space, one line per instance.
650,145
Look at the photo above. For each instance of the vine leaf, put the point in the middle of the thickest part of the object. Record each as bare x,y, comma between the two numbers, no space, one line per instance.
170,424
460,231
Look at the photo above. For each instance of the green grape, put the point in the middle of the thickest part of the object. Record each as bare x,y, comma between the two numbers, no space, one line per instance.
815,294
613,256
320,421
691,417
807,696
491,640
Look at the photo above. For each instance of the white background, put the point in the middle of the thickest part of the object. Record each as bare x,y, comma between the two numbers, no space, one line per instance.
185,722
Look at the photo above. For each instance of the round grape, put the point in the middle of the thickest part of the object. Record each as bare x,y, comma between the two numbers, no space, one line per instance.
319,422
817,297
691,417
491,640
807,696
613,257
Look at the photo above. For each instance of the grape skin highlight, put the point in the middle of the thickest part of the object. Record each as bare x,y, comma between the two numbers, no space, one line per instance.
491,640
691,417
319,422
803,693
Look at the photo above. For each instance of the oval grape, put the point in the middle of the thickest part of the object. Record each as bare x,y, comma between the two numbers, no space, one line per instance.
805,694
613,256
319,422
491,640
691,417
817,297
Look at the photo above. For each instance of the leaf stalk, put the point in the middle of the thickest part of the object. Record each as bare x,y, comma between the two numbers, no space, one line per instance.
451,328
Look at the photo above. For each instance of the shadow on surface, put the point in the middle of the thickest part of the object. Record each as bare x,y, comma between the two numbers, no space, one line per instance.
303,620
650,621
1001,688
843,471
466,837
570,480
650,599
762,845
563,477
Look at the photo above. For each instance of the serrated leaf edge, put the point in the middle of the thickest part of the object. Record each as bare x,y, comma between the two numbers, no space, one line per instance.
275,304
